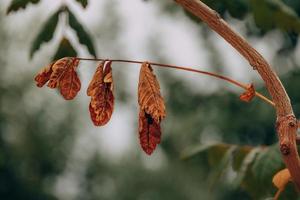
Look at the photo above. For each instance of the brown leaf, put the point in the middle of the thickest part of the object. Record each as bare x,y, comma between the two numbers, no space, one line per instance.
149,132
59,68
152,109
69,83
44,75
249,94
101,91
149,97
61,74
97,79
280,180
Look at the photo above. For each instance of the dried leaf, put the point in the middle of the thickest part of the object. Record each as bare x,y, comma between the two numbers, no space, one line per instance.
97,79
44,75
61,74
101,92
249,94
152,109
59,68
280,180
69,83
149,132
149,97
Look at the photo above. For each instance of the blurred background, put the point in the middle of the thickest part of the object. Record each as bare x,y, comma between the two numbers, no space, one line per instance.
213,145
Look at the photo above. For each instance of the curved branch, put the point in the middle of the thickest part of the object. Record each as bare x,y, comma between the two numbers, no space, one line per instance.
234,82
286,121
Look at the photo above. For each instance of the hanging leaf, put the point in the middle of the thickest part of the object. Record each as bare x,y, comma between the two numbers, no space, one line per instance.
65,49
84,3
18,4
152,109
149,97
44,75
249,94
61,74
97,79
101,91
280,180
59,68
83,36
69,82
46,33
149,132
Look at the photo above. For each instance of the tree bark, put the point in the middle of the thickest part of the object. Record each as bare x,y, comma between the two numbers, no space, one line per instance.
286,124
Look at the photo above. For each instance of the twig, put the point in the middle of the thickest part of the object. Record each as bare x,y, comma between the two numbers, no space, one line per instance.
286,121
234,82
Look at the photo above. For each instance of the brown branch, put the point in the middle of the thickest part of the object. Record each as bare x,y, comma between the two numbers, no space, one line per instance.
234,82
286,121
298,140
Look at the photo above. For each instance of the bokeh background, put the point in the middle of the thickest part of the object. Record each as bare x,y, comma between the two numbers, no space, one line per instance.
213,146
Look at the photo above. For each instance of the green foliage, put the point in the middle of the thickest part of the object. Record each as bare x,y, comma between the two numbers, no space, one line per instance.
84,3
267,163
83,36
65,49
260,16
270,14
46,33
48,29
254,165
15,5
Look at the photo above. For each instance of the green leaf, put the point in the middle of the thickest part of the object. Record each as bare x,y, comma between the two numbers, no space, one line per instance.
268,162
247,161
18,4
239,156
46,33
217,153
271,14
65,49
83,36
84,3
222,167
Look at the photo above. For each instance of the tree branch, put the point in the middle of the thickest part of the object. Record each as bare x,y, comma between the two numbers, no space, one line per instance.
286,122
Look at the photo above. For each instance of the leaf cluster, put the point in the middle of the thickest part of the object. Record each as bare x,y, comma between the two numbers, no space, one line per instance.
47,31
251,165
62,74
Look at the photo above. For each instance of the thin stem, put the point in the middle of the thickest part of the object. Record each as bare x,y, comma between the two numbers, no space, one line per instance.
234,82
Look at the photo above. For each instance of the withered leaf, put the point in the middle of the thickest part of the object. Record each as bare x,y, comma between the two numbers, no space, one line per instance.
97,79
101,91
59,68
69,84
280,180
61,74
149,97
44,75
249,94
149,132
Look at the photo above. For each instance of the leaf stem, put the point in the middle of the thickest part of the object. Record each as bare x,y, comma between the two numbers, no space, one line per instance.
234,82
